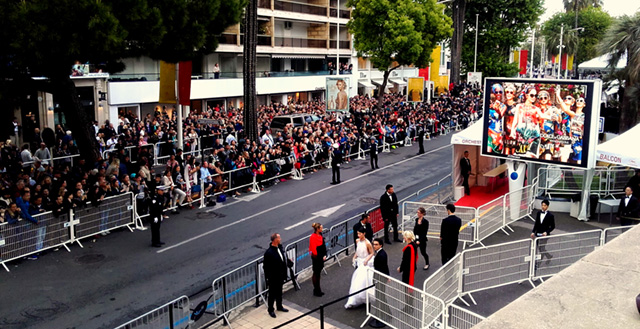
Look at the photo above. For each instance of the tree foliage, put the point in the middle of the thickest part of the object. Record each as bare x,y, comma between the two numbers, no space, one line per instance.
502,25
579,5
45,38
400,31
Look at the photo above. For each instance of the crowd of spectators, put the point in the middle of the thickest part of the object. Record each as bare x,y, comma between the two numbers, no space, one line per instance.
34,180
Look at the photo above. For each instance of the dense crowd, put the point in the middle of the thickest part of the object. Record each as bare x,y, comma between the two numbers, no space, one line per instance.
33,179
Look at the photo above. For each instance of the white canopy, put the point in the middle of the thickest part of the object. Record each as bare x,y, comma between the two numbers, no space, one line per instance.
600,63
470,136
621,150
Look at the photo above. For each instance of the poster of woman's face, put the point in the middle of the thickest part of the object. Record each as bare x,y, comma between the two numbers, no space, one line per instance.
338,94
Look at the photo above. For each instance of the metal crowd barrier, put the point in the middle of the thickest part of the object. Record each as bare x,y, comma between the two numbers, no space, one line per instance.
490,218
112,212
55,161
435,214
445,282
174,315
611,233
607,180
554,253
524,199
460,318
400,305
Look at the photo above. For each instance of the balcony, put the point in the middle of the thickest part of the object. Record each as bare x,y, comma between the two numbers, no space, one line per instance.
340,13
299,42
228,39
343,44
263,40
300,7
264,4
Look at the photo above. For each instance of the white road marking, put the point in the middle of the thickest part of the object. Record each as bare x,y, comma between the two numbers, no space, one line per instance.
322,213
294,200
245,198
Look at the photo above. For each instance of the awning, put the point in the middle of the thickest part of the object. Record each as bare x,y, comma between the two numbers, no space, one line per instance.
298,56
617,150
377,82
470,136
600,63
399,82
365,83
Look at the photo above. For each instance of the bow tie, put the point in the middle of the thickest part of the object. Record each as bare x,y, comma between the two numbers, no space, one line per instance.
544,212
629,197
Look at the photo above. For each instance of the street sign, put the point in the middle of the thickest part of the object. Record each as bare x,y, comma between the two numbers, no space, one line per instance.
601,125
209,121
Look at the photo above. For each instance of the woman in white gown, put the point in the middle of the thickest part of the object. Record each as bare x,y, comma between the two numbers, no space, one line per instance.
361,277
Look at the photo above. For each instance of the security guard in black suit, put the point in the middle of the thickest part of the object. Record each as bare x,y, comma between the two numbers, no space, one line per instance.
629,208
373,153
421,133
156,207
336,160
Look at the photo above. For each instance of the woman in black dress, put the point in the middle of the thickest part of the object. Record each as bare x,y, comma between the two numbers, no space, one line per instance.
420,230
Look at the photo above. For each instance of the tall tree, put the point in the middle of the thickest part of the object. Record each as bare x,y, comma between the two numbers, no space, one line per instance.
503,25
249,68
392,33
45,37
458,9
622,39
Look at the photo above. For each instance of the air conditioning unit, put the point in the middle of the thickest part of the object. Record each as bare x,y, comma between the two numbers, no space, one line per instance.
287,25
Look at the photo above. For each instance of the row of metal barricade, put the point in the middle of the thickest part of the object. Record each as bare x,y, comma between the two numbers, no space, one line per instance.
607,181
26,238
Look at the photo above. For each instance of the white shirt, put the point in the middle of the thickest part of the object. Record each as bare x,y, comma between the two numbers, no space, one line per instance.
626,200
390,197
542,216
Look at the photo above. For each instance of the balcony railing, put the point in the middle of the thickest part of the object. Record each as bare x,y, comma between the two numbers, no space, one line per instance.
344,13
228,39
343,44
263,40
210,75
299,42
300,7
265,4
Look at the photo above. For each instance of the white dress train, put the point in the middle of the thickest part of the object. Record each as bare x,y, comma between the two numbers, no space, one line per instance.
361,278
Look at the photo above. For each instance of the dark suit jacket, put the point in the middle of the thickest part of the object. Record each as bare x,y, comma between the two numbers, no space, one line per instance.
547,226
388,208
630,210
368,232
275,268
373,149
380,262
465,167
336,157
450,229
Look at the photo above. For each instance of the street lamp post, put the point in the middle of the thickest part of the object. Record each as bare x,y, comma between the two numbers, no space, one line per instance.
533,43
560,55
475,52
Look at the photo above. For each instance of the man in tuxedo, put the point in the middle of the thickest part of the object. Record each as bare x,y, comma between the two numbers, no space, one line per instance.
275,272
373,153
380,264
420,139
449,231
544,224
364,224
634,183
628,208
389,212
336,161
465,170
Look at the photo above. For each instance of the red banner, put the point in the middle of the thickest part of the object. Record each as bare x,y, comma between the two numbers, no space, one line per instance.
184,83
424,73
564,62
375,218
524,55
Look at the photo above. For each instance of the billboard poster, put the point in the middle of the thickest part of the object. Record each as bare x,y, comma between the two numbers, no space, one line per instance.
338,94
547,121
474,77
415,89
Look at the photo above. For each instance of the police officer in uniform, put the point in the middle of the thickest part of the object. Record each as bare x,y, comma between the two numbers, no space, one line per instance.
421,138
336,160
156,207
373,153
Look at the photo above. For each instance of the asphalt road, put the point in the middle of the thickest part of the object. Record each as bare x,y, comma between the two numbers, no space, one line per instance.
119,277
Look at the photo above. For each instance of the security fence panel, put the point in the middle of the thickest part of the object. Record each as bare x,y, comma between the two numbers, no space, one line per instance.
436,213
237,287
25,237
460,318
490,218
111,213
517,204
174,314
496,265
611,233
554,253
300,250
400,305
337,238
444,283
445,189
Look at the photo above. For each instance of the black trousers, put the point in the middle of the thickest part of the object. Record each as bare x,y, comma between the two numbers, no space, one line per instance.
393,222
155,231
317,266
275,295
421,144
423,250
374,161
447,251
465,183
335,173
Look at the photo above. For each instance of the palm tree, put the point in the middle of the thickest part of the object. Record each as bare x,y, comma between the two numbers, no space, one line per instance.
249,70
579,5
622,38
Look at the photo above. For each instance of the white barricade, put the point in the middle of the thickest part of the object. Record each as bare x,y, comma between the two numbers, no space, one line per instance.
523,199
490,218
112,212
435,214
400,305
445,282
174,314
495,266
237,287
459,318
25,238
611,233
554,253
300,250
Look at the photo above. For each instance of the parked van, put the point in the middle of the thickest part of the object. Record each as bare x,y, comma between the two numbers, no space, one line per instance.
296,120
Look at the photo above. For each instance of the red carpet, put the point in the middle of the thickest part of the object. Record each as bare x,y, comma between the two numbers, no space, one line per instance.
479,194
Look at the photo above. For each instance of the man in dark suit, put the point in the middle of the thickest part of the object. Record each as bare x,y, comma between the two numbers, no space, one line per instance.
364,224
373,153
634,183
629,207
156,207
336,161
420,138
389,212
449,231
275,272
544,224
380,264
465,170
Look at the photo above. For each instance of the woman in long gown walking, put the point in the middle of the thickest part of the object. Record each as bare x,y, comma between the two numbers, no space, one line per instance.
361,278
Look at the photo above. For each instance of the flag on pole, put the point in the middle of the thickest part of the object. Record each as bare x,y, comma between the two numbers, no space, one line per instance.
570,64
516,57
524,56
564,62
424,73
167,83
184,83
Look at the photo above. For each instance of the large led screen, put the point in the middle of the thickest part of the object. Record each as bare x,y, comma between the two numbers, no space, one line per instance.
547,121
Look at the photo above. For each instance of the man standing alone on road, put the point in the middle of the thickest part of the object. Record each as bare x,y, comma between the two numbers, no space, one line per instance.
465,170
449,231
336,160
373,153
275,272
155,211
389,212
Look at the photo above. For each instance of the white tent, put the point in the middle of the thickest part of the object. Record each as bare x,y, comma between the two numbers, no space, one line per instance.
600,63
470,140
621,150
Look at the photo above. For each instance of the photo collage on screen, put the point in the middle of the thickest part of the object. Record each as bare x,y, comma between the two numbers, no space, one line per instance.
537,121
